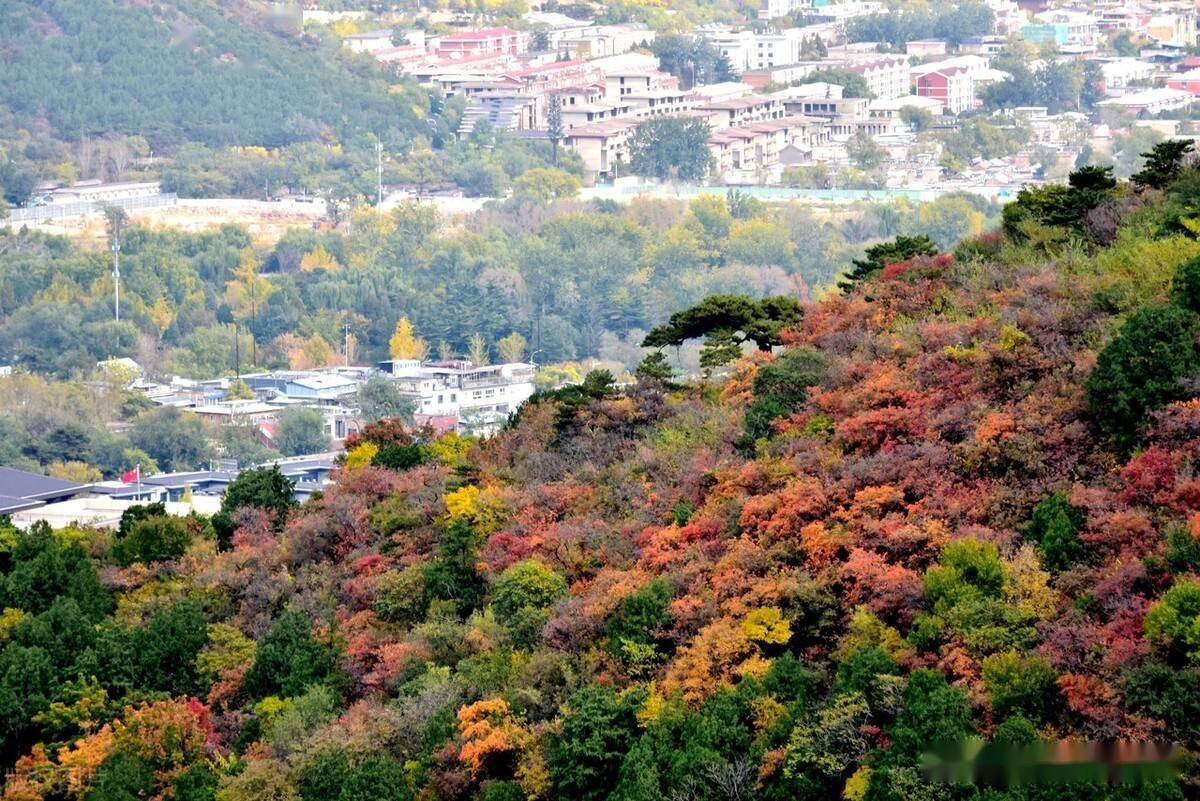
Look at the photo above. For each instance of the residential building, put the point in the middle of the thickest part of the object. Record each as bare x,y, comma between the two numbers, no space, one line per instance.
1151,101
482,397
484,42
1186,81
1119,73
783,74
953,87
774,9
747,50
743,110
369,42
597,41
926,48
886,76
603,147
1176,28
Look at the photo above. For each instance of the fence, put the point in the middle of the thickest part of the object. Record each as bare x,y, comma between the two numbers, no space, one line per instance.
59,211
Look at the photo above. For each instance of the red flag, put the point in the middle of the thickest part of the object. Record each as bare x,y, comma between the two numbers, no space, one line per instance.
133,475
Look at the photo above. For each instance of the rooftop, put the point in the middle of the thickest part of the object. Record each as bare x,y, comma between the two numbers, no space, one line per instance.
33,486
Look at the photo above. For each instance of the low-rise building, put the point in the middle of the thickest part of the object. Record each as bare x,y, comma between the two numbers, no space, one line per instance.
1186,81
482,397
926,48
484,42
1119,73
1151,101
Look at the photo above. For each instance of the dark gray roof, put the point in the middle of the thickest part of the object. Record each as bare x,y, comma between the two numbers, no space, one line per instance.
9,504
19,484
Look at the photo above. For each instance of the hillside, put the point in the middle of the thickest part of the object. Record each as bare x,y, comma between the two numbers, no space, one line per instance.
960,499
82,67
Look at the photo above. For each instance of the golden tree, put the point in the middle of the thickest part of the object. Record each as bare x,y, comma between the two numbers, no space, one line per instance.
405,344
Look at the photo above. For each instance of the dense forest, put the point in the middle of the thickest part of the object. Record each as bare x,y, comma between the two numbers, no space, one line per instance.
959,499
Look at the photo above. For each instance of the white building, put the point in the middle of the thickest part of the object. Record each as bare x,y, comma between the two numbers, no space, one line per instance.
1150,101
480,397
1120,72
747,50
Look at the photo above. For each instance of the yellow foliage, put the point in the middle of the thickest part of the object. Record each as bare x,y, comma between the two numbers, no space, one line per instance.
1012,337
767,625
405,344
485,508
80,472
652,710
867,629
361,456
710,662
1028,586
161,314
451,448
856,785
318,259
9,619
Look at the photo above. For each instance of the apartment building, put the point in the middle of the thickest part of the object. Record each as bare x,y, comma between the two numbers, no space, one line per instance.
484,42
886,76
741,111
748,152
747,50
953,87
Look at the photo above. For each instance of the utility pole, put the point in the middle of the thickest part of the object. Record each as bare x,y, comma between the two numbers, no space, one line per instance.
237,352
346,346
115,217
116,249
378,172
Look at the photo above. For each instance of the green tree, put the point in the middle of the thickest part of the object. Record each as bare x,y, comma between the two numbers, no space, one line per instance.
968,569
1174,620
902,248
452,575
726,321
1020,685
289,659
546,184
300,431
152,539
585,756
781,386
641,622
379,398
1055,526
1141,370
863,151
670,148
176,440
262,487
1163,163
853,84
655,367
522,597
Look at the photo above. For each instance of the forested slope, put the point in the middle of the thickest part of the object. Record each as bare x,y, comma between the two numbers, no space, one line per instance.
967,504
184,70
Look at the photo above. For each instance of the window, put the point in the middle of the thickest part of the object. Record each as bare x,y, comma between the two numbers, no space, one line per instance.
453,398
440,399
